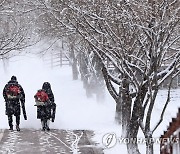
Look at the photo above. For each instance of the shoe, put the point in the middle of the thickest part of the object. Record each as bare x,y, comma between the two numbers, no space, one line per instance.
47,128
43,129
17,128
11,128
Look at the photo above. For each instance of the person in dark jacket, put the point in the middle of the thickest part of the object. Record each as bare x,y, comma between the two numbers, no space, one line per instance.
47,111
13,102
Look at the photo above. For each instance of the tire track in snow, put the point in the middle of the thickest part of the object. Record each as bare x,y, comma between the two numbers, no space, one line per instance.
71,138
1,134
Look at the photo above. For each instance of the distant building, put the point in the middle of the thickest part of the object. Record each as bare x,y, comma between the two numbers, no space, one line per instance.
170,143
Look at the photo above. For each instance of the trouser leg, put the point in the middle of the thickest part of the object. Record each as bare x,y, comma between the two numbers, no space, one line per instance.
10,121
45,124
42,122
18,120
48,121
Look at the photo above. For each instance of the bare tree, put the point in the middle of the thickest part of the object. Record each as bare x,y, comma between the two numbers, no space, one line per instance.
16,28
141,41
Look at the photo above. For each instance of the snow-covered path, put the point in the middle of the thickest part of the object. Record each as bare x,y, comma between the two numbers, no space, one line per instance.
29,141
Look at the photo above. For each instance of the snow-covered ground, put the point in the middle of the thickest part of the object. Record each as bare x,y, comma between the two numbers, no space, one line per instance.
74,110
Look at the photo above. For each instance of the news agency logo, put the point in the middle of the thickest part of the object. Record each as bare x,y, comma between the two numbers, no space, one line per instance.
148,141
109,140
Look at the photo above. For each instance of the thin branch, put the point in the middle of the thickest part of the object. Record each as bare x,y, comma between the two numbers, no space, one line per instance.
165,106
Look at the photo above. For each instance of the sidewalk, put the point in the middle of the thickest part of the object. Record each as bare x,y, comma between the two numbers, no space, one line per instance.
29,141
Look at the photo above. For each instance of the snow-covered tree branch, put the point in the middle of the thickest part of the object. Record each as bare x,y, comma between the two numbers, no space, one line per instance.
139,40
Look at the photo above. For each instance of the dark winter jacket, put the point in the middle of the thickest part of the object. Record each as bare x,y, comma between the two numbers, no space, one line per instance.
13,105
48,110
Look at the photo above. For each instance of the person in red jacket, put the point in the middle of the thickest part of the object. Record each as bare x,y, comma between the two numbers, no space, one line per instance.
46,107
13,94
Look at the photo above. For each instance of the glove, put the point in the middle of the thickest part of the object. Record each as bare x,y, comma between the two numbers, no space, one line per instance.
52,119
25,117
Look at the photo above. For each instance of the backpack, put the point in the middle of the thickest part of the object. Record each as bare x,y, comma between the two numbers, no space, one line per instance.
13,92
40,97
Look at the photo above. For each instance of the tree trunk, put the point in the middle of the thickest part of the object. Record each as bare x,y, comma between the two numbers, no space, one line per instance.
74,64
5,64
133,126
99,89
118,116
126,105
132,148
149,147
74,69
132,132
123,106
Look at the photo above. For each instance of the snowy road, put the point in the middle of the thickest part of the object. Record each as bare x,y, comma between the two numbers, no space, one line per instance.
54,142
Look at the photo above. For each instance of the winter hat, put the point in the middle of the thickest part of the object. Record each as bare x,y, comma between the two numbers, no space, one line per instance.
46,85
13,78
